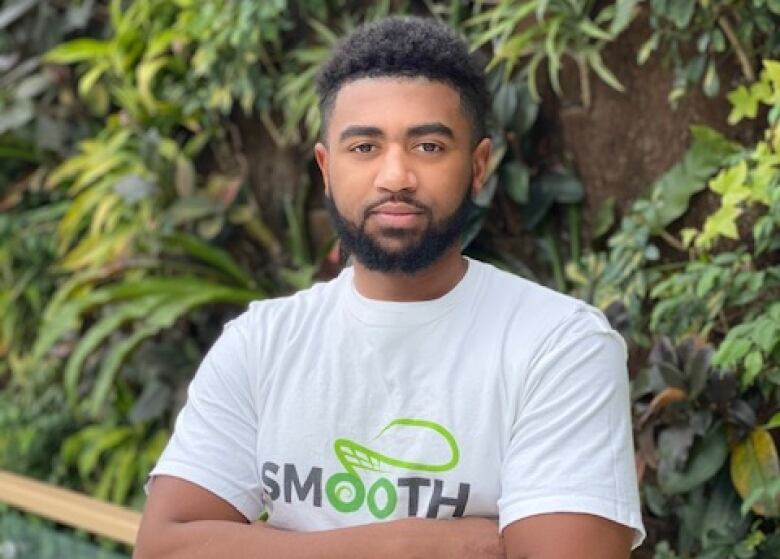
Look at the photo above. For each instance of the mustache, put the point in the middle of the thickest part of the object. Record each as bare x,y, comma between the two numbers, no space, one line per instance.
398,198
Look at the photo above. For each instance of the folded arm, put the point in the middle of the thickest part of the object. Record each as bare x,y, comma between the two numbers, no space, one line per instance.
557,535
183,520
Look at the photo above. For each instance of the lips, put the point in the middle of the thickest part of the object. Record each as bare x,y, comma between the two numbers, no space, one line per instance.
394,208
396,215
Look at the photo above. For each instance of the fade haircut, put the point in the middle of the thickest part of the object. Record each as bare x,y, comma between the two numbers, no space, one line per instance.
408,47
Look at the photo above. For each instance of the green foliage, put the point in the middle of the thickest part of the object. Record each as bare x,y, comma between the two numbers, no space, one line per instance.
711,387
745,31
548,31
118,264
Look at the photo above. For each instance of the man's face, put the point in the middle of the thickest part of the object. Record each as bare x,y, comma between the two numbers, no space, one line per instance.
399,168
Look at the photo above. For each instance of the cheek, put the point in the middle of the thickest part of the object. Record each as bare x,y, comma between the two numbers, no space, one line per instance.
350,187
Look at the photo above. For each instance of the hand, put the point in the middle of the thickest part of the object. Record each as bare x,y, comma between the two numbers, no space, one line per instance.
466,538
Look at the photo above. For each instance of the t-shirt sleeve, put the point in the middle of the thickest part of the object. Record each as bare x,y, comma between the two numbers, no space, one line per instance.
214,439
571,448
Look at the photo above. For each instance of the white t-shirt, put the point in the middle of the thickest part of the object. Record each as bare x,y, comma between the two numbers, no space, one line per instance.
327,409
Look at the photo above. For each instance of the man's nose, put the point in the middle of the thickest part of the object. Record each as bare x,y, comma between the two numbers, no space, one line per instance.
394,172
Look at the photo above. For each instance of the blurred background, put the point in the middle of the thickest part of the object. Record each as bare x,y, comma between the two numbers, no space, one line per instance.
156,175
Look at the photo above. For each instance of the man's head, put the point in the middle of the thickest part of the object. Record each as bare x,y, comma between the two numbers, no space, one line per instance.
403,144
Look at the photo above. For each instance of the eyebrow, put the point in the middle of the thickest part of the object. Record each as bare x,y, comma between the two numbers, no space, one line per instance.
413,132
430,128
356,130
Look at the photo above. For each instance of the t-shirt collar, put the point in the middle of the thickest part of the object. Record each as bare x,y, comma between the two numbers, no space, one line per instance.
394,313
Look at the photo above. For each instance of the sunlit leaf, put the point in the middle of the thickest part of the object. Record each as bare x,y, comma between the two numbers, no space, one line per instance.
754,464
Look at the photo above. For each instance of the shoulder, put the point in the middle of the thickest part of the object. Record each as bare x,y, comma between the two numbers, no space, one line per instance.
274,316
533,321
536,308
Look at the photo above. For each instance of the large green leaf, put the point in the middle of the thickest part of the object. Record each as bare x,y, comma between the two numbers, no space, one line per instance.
178,303
706,458
98,333
212,255
754,466
674,190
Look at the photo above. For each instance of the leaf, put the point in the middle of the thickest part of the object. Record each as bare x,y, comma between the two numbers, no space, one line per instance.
94,447
212,255
774,422
744,104
731,350
152,402
32,86
711,83
126,459
624,14
667,396
706,458
515,180
540,201
698,370
14,10
595,61
145,73
78,50
592,30
97,334
730,179
133,188
565,188
604,217
183,299
754,464
754,362
674,190
505,103
16,116
681,11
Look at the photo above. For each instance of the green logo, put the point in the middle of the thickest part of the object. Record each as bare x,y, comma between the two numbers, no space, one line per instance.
346,490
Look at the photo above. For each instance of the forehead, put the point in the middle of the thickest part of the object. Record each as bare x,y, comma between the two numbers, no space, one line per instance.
396,104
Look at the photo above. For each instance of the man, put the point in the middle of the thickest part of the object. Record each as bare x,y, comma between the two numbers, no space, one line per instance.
421,404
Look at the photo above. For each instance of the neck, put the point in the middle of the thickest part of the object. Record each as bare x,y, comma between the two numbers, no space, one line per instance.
431,283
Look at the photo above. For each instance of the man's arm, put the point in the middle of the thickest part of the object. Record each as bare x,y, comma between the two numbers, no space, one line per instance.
557,535
183,520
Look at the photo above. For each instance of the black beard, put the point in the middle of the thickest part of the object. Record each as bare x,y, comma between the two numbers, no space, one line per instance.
434,241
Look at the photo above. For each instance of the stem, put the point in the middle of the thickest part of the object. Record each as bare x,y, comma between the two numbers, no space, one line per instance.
672,241
744,61
574,231
555,258
668,266
259,231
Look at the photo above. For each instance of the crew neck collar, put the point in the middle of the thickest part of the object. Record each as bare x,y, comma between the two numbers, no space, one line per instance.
376,312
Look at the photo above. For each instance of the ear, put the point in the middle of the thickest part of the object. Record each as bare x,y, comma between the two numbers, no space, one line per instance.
321,157
480,160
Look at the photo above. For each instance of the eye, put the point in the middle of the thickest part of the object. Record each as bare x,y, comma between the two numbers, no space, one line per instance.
429,147
363,148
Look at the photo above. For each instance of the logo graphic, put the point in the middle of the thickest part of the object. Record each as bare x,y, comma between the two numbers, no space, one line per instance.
349,490
346,491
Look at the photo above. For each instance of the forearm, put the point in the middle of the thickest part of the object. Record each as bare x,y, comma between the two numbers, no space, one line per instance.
204,539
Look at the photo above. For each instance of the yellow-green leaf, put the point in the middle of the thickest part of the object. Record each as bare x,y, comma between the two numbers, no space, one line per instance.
145,74
77,51
754,464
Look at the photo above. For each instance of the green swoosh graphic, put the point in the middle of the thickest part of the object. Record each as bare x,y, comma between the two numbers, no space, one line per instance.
355,456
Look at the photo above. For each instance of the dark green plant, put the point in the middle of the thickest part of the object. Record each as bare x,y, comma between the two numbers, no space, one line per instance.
744,31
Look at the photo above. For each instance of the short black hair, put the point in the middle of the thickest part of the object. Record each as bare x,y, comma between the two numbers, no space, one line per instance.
404,46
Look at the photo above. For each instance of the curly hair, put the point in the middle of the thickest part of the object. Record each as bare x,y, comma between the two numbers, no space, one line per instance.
406,47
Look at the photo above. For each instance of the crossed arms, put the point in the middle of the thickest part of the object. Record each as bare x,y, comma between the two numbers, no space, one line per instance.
182,520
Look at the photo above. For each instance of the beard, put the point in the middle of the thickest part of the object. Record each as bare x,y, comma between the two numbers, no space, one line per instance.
418,254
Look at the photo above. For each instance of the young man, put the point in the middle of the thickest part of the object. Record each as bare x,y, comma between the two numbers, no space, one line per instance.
421,404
